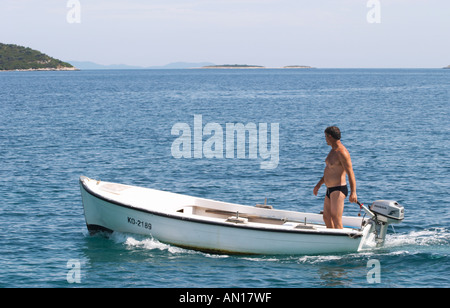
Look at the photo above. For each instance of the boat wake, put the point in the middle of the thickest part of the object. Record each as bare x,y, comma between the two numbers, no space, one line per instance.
133,241
423,238
143,242
428,240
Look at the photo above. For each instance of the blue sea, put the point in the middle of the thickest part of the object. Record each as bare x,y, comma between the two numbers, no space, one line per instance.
116,125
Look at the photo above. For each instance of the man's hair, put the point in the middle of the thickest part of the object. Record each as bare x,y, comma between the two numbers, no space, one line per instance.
334,132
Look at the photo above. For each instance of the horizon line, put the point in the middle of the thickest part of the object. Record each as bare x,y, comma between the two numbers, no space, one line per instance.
229,66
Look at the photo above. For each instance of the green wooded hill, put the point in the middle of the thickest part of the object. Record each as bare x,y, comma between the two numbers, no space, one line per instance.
14,57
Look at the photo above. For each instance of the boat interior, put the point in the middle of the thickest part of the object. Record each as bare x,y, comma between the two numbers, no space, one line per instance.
263,215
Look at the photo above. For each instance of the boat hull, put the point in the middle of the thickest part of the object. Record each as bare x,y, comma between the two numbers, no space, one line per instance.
106,214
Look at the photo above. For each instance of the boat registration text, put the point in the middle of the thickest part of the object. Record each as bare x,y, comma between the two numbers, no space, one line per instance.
139,223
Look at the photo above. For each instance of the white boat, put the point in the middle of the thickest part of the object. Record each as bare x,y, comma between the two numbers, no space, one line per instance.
220,227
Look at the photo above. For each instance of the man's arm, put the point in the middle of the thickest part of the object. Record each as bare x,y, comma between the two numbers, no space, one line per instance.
317,187
346,162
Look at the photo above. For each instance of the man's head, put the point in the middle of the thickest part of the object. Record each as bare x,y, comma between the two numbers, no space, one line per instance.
334,132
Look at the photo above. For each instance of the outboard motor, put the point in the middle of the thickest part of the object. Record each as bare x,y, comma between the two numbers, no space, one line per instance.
383,213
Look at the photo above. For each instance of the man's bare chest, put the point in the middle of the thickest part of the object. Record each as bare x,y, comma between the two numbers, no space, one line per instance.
332,159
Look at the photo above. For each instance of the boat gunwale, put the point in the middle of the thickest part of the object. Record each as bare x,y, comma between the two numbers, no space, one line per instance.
352,234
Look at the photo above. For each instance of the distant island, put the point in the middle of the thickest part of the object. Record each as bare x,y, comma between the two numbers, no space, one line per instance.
298,66
18,58
87,65
448,66
233,66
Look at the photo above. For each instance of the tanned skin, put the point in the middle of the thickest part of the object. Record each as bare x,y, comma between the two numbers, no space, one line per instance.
338,166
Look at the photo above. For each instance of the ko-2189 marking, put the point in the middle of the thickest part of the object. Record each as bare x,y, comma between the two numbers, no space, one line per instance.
139,223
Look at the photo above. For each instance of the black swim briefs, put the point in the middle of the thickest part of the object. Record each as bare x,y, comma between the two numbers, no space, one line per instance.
343,189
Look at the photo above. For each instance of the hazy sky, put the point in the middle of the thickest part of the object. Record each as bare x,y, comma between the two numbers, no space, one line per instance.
273,33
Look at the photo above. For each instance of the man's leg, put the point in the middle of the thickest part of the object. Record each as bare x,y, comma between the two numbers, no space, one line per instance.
337,208
327,213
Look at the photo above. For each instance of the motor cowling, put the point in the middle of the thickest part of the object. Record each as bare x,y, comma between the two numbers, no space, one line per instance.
388,211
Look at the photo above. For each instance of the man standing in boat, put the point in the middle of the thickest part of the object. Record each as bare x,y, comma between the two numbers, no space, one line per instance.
338,165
